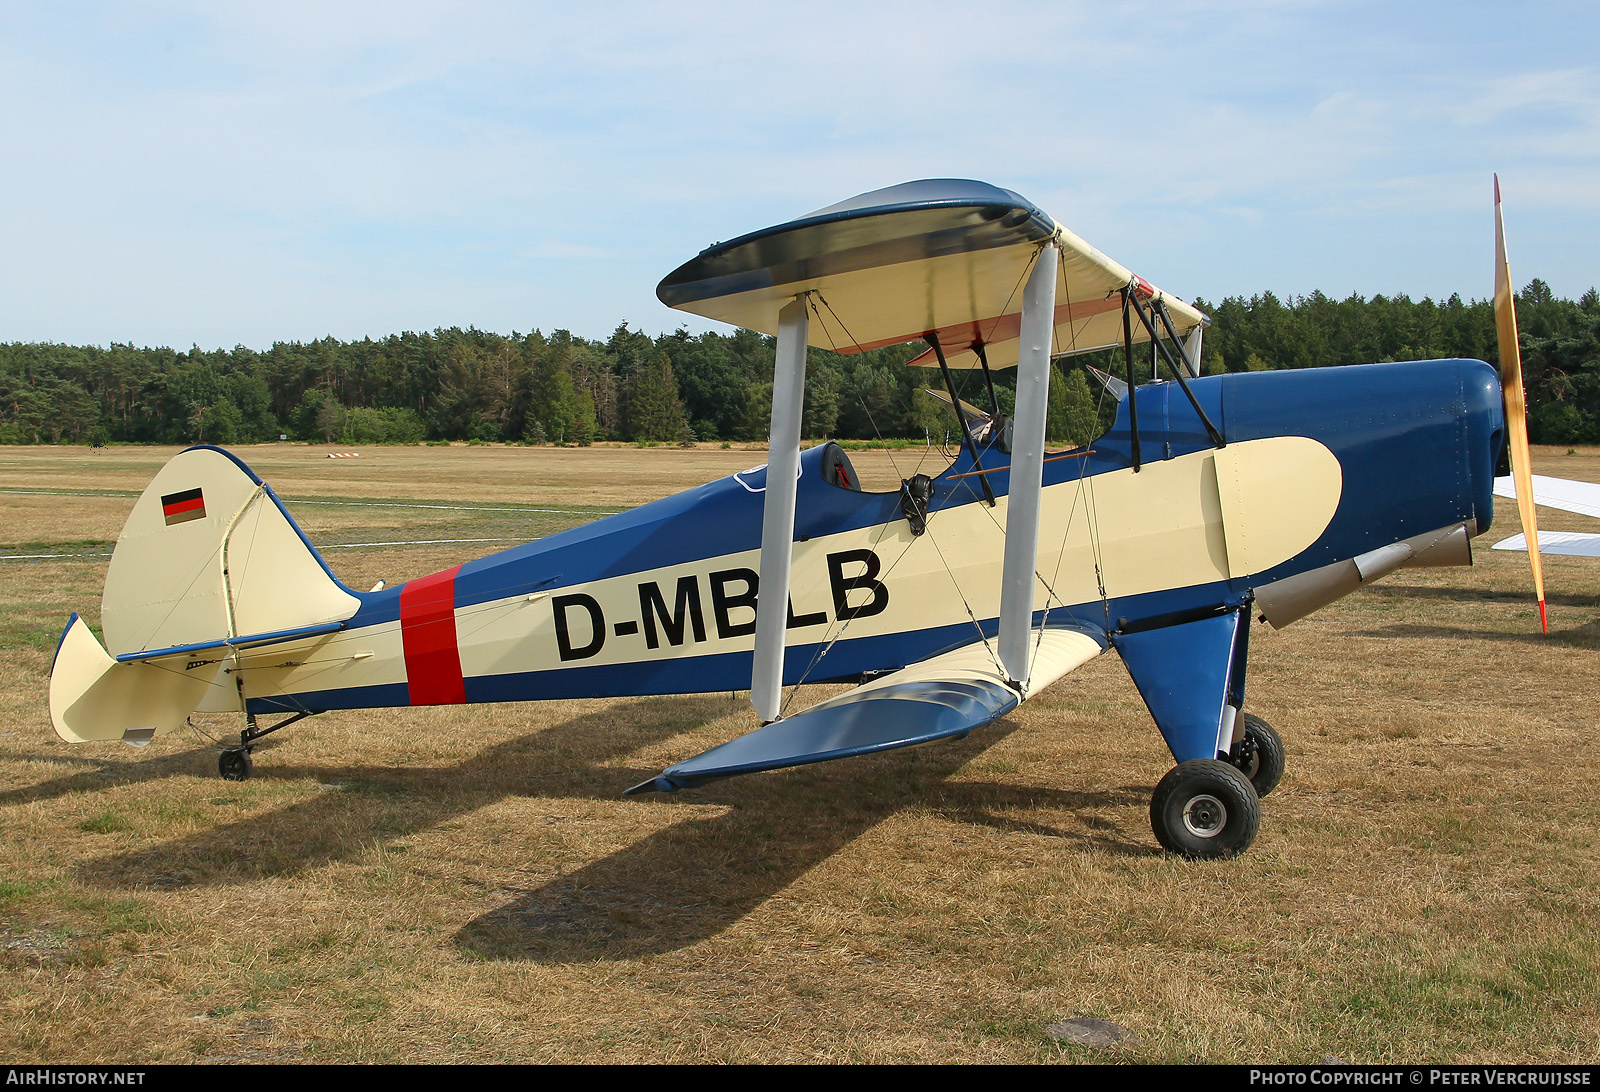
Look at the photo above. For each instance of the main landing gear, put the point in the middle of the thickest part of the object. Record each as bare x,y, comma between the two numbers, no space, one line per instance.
234,763
1190,670
1259,755
1205,808
1208,808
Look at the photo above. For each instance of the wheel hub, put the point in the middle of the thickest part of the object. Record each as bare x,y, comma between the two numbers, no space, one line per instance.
1204,816
1245,756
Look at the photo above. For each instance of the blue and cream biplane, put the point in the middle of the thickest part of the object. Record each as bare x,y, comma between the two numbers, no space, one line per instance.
948,601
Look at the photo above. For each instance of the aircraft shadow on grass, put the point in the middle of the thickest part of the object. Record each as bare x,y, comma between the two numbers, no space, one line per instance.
694,879
669,890
99,773
1515,597
1586,636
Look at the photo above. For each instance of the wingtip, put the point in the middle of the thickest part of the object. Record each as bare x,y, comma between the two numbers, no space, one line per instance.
1544,619
655,784
1497,188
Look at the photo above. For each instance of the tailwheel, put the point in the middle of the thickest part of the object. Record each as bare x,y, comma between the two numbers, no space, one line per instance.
1259,754
1204,809
234,764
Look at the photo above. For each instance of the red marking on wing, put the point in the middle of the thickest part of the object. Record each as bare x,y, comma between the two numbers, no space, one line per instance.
428,632
963,335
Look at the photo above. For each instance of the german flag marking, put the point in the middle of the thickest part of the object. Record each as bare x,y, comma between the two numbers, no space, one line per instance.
183,507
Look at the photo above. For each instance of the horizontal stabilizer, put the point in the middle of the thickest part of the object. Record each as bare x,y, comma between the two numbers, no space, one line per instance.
945,697
1563,543
250,641
95,698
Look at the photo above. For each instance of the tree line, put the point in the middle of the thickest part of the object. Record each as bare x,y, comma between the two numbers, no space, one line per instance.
454,384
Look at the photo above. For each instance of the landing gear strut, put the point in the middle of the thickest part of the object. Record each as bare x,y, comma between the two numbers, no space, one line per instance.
1259,754
1205,808
234,763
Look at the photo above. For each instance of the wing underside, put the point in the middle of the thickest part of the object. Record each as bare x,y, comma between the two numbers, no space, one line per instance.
946,257
942,698
1560,543
1582,498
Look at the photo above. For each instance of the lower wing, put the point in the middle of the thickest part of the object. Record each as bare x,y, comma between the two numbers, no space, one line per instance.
942,698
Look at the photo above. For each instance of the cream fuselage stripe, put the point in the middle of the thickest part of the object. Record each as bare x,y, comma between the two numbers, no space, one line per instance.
1169,526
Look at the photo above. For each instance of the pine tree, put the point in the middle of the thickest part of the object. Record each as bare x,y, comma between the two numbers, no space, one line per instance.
651,408
1071,418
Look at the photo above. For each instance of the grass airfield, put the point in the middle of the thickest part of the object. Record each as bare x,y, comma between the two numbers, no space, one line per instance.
467,884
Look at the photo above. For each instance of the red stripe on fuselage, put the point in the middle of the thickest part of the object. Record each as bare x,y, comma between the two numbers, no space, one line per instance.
428,632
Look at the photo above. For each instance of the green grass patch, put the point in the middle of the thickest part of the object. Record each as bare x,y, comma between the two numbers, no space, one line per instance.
107,822
1466,1000
111,916
16,891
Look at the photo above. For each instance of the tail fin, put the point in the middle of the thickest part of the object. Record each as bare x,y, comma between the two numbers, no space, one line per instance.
208,559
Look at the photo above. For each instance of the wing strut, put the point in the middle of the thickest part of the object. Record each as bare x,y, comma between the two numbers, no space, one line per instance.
1027,467
966,433
777,515
1159,310
988,376
1133,380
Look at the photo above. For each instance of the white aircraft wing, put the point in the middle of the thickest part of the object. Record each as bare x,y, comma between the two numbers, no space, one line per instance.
1566,543
1563,493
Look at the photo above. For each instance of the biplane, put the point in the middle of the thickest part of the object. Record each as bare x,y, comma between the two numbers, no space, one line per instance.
1209,501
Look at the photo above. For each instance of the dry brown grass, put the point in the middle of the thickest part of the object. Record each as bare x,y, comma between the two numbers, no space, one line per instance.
467,885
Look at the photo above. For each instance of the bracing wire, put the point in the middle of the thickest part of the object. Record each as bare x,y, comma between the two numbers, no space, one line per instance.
843,624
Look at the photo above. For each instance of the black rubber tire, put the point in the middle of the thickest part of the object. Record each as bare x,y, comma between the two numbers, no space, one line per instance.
1263,760
234,764
1205,809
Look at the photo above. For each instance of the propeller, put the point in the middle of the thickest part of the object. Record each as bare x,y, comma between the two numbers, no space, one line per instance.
1505,322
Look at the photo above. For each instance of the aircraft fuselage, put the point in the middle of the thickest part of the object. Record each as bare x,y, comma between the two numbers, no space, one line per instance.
1320,466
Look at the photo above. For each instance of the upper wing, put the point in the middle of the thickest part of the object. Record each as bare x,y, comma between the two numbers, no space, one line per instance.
944,697
1088,314
940,256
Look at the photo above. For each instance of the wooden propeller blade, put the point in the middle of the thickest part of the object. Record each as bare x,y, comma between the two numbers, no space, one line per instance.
1505,322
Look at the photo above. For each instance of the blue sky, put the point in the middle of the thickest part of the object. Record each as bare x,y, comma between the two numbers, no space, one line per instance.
237,174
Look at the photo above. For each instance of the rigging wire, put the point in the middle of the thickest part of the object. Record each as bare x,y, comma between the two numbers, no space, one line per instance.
830,640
